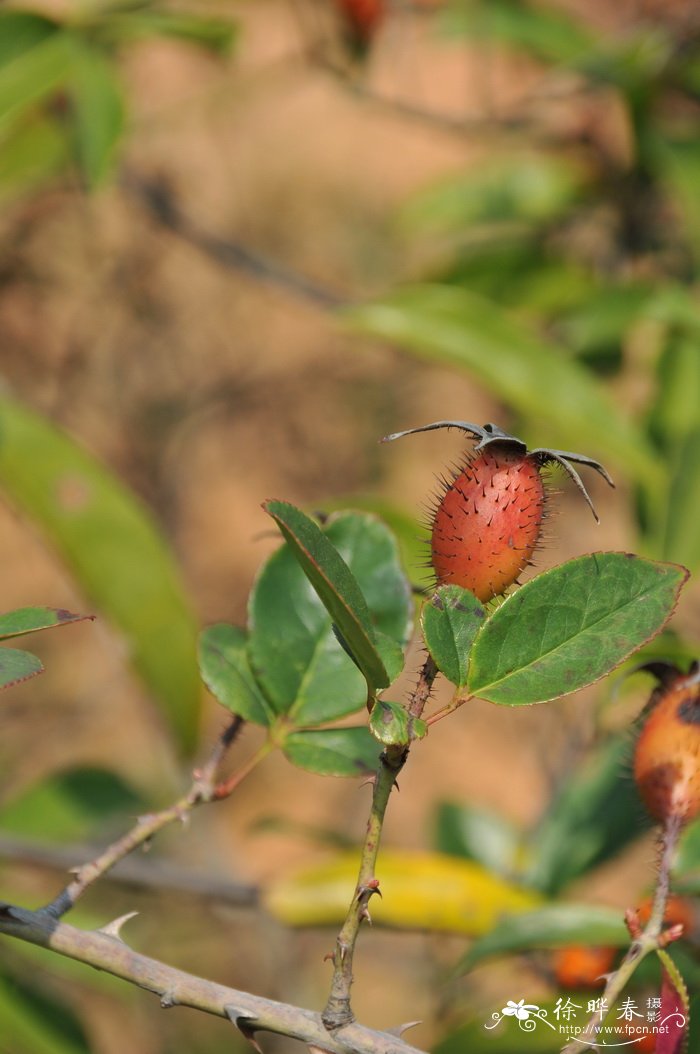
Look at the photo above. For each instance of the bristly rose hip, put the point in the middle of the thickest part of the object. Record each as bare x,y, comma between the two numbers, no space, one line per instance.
487,520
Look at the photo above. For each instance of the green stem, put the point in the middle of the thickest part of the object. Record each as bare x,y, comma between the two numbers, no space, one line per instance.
338,1012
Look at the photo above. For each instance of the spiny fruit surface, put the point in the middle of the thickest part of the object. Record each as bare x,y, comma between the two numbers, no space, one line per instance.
487,523
667,754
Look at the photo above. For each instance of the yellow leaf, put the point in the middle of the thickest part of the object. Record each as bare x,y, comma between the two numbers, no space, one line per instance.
419,891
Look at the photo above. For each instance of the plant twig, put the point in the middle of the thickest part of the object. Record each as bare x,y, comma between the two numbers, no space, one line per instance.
105,950
204,789
338,1013
159,875
650,940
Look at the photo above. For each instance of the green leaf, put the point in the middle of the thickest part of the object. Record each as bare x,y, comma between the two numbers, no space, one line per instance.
17,666
451,620
543,32
98,109
30,620
680,170
71,805
294,655
214,34
20,31
424,891
538,379
31,152
518,187
570,626
596,814
113,548
335,585
225,669
475,834
673,417
31,76
333,751
34,1021
549,927
682,539
371,550
392,724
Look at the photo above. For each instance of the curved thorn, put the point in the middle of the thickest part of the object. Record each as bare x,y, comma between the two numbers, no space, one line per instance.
555,455
112,929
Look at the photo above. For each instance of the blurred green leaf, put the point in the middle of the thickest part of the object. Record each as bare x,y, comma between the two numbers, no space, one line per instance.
426,891
333,751
544,32
673,415
451,326
30,153
113,548
225,669
475,834
22,30
32,1021
549,927
472,1036
98,109
391,724
31,620
72,804
17,666
451,619
686,866
214,34
570,626
598,326
528,187
595,815
682,538
680,170
31,76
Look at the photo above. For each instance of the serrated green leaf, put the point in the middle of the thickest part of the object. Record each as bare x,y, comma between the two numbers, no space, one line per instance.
31,620
225,669
391,724
425,891
113,548
475,834
595,815
549,927
98,110
335,585
333,751
536,377
71,804
570,626
451,620
17,666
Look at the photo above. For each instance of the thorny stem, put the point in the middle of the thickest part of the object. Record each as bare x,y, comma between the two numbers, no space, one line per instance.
204,789
338,1013
105,950
650,940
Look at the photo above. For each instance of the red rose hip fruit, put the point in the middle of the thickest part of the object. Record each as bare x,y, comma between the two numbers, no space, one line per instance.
487,521
667,753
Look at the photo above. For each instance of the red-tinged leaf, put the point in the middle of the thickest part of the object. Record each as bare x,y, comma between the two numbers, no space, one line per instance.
675,1005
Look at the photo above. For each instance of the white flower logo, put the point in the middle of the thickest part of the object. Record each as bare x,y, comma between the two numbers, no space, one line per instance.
519,1010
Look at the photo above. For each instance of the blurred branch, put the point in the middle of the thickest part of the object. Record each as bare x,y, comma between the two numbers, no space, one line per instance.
158,875
205,788
158,200
105,950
